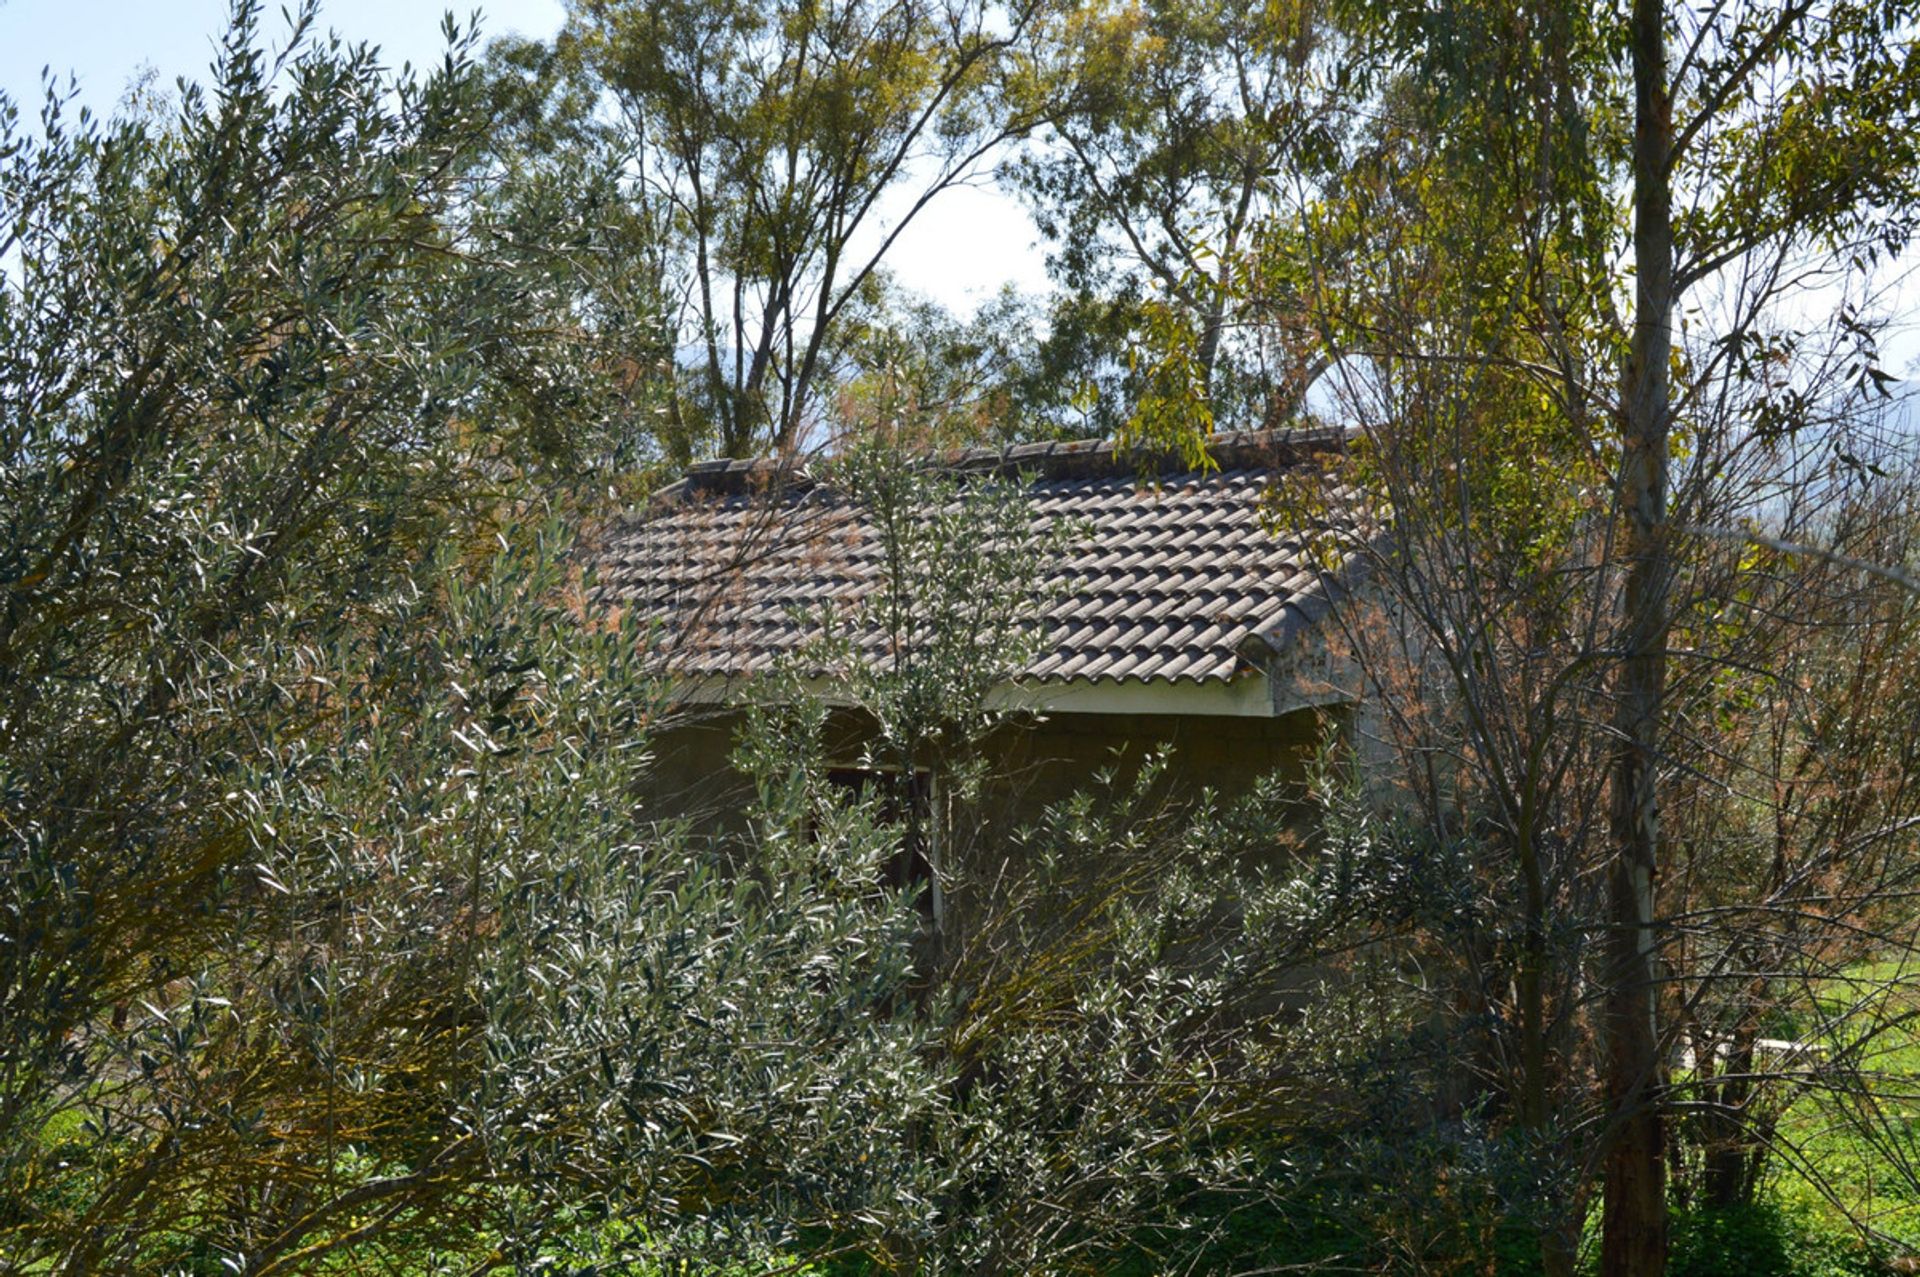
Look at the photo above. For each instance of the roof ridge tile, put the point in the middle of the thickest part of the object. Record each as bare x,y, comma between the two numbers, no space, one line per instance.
1234,453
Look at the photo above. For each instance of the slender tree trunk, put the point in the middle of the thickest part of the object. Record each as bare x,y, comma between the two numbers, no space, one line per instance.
1560,1238
1634,1217
1729,1155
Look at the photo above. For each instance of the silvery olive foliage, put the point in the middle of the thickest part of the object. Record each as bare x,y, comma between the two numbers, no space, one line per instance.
316,778
1153,1017
650,1045
241,351
953,616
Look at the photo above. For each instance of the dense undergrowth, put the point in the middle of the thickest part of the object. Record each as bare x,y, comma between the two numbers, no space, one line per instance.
1790,1232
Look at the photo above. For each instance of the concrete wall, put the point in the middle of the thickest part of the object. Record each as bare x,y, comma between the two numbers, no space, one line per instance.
1032,764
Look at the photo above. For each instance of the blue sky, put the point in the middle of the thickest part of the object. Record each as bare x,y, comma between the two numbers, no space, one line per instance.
961,249
106,42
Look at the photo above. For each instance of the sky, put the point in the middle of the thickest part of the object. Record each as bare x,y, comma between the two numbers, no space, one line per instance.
962,249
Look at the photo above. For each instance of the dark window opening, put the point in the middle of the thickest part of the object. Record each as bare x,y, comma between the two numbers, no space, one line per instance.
912,866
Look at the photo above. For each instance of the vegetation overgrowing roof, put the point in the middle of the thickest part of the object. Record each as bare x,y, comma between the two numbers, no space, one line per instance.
1168,573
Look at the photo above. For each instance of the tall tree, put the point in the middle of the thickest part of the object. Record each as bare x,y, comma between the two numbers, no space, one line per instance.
788,143
1561,445
1786,129
1190,122
1634,1224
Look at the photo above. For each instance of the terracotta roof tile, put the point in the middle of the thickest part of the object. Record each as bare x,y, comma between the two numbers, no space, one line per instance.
1168,581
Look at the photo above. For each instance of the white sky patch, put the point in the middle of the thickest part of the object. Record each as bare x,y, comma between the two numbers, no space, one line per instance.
967,244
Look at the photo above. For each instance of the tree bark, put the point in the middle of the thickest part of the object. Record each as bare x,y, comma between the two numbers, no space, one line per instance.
1634,1214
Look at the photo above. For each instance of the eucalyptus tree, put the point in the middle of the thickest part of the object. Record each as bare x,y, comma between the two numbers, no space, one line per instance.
1781,131
1568,449
1190,124
787,145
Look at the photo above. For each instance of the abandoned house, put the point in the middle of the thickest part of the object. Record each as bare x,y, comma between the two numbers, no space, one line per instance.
1174,616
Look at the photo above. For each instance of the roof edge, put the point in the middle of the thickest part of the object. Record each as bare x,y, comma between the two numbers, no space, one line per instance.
1065,459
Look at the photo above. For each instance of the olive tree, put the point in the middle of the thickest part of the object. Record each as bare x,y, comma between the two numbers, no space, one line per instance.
333,933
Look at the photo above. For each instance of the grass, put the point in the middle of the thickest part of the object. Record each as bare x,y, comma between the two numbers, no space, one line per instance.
1858,1154
1843,1157
1766,1239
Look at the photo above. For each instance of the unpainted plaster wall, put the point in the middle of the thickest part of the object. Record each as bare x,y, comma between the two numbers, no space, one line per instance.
1031,763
